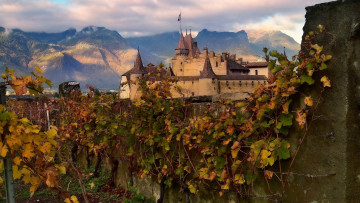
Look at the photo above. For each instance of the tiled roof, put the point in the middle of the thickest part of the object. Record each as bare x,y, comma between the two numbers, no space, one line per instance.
232,65
256,64
242,77
138,66
207,71
181,44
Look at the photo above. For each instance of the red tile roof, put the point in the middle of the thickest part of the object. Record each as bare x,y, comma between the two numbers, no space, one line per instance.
181,44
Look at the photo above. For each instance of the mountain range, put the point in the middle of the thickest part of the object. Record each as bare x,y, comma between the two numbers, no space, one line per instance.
98,56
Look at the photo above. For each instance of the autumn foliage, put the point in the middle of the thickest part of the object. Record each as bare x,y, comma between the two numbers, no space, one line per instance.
227,148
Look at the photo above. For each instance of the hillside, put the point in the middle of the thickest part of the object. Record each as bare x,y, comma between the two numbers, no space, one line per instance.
94,55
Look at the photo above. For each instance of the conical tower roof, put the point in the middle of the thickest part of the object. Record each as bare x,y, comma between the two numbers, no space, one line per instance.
207,71
138,65
181,44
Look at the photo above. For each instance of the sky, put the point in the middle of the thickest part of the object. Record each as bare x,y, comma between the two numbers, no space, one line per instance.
147,17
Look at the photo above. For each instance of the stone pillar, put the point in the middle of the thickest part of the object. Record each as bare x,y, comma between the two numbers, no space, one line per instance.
330,154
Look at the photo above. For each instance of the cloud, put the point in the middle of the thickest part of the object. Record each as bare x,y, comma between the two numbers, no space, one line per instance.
140,17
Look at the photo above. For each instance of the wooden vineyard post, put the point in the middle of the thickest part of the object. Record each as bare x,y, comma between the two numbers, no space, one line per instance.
9,180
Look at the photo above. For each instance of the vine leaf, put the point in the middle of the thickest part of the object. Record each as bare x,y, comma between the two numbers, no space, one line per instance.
326,82
301,117
308,101
306,79
268,174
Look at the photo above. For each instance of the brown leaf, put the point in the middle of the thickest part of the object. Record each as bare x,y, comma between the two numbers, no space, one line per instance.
268,174
51,179
301,118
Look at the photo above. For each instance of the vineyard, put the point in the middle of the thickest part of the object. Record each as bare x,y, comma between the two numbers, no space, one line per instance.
230,147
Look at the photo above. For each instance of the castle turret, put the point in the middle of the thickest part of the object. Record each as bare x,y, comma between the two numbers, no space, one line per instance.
181,49
191,45
208,82
136,73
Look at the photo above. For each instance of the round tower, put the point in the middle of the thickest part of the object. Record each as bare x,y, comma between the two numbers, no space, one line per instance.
136,73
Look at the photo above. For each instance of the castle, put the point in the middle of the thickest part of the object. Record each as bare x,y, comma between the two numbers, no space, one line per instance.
201,74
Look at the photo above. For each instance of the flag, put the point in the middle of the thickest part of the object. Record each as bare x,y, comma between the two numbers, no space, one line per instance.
179,18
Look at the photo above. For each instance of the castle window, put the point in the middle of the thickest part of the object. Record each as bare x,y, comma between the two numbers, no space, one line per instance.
252,83
240,82
227,82
180,63
216,64
213,80
264,82
256,72
192,82
180,69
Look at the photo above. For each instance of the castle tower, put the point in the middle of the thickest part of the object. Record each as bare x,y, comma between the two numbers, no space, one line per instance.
191,45
181,49
136,73
208,82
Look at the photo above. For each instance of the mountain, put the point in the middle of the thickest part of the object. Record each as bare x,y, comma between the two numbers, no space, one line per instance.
93,55
274,40
98,56
233,42
156,48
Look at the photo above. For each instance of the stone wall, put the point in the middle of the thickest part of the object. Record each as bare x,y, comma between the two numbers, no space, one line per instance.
331,151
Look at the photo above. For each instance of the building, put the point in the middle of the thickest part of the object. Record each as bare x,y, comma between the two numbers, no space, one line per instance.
201,74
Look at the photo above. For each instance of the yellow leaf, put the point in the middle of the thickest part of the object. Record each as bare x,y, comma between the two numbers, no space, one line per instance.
61,169
192,189
28,151
92,185
38,69
3,150
45,148
234,152
67,200
235,149
221,193
239,179
308,101
227,185
3,75
74,199
265,154
35,183
1,165
16,172
326,82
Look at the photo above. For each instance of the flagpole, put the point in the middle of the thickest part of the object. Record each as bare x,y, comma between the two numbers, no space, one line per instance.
179,19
